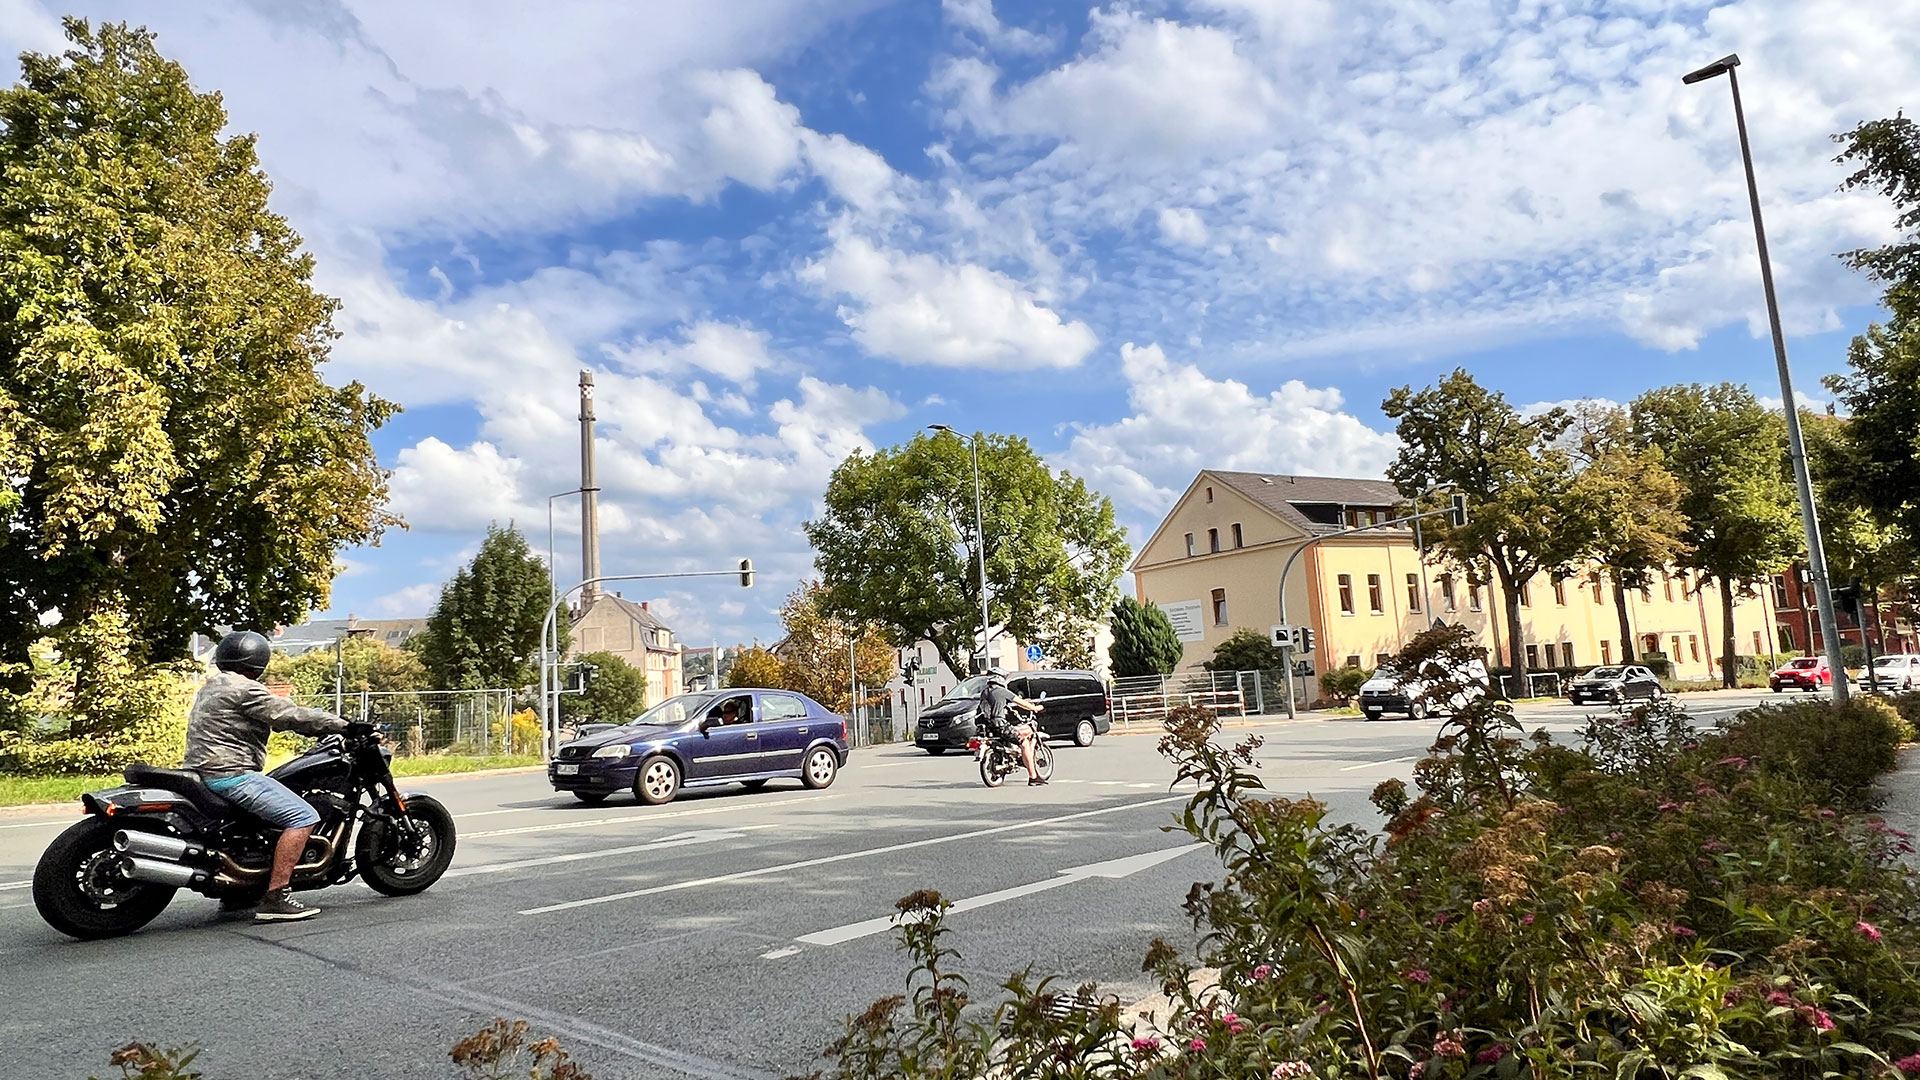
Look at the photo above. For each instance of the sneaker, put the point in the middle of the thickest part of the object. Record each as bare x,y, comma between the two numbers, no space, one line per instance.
1035,781
280,906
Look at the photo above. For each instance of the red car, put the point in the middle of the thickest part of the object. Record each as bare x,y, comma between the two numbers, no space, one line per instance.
1807,673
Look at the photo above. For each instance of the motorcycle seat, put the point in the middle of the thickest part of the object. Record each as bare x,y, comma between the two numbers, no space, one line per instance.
181,782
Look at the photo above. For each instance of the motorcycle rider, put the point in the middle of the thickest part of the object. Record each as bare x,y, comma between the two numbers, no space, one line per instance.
995,700
227,745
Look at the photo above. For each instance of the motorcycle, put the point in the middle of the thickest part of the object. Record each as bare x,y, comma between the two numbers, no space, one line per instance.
165,830
999,757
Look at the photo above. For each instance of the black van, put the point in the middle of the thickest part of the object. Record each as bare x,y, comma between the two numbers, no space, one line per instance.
1076,708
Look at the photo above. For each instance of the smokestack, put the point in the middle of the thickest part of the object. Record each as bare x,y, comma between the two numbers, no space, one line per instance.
589,495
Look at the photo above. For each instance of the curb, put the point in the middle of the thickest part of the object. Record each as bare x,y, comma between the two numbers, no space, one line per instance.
73,805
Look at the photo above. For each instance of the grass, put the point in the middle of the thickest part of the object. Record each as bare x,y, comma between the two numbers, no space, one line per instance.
25,790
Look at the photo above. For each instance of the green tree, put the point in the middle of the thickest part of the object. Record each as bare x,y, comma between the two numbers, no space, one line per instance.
815,650
615,694
1857,543
1143,640
171,458
368,664
758,667
1729,453
1245,650
1528,515
896,543
485,631
1638,528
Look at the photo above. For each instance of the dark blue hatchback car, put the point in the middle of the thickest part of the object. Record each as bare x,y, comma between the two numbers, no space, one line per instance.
704,740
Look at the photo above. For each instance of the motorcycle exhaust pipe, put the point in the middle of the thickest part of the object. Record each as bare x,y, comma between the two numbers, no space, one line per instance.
155,846
154,871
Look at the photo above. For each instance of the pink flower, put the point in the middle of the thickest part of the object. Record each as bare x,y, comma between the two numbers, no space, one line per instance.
1736,762
1666,806
1909,1064
1441,919
1815,1018
1262,972
1419,975
1146,1045
1867,930
1527,919
1491,1054
1420,1069
1778,998
1291,1069
1827,813
1447,1047
1197,1044
1683,932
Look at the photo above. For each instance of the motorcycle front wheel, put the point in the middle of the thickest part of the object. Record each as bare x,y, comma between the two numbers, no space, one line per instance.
398,861
79,891
1043,759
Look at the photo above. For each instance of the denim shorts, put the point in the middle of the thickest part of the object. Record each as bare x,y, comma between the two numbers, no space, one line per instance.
267,799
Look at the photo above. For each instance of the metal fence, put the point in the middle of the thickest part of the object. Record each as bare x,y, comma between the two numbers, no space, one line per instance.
874,723
1146,700
437,721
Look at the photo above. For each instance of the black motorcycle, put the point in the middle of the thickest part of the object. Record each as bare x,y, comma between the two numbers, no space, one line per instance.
999,757
165,830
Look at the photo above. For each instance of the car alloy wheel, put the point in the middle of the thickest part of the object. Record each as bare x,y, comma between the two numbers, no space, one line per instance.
1083,733
658,782
1417,710
821,767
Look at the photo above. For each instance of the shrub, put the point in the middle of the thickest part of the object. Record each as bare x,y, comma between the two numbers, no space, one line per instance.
1837,751
1853,656
1343,684
1908,706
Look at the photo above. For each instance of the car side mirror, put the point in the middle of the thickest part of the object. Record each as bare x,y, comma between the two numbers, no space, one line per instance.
1042,697
708,724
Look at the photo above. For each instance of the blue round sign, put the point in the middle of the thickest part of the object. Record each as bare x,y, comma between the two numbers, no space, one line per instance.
1034,653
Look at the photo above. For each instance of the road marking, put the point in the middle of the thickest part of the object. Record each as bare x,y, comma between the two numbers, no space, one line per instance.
1112,869
1371,764
884,765
681,840
41,824
842,857
559,825
5,885
778,953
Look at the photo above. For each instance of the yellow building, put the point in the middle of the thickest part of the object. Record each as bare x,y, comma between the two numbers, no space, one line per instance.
612,623
1214,566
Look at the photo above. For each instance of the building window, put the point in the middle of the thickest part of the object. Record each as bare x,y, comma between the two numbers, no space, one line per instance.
1346,599
1375,602
1373,517
1413,593
1526,594
1190,549
1685,593
1560,592
1596,590
1446,594
1566,654
1533,656
1238,539
1213,540
1380,659
1676,654
1693,646
1780,592
1786,638
1353,521
1551,661
1219,607
1757,647
1473,597
1354,660
1209,494
1646,594
1606,651
1666,584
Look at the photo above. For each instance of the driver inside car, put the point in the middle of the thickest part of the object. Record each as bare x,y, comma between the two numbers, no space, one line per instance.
733,712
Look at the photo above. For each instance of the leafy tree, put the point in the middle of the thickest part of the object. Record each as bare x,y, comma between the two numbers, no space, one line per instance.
758,667
485,631
1143,640
815,650
616,694
368,664
1528,513
170,457
1639,527
1729,453
1858,545
896,543
1245,650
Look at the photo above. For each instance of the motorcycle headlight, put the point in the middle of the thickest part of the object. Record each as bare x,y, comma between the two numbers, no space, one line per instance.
613,751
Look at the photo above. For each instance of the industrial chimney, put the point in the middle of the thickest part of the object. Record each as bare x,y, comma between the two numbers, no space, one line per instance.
589,496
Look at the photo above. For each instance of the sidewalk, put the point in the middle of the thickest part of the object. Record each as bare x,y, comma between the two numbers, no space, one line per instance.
1901,806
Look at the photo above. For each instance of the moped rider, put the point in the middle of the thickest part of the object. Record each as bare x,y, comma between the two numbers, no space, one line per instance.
995,702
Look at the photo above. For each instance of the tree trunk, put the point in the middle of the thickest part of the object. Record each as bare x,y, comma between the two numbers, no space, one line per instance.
1517,657
1626,625
1729,661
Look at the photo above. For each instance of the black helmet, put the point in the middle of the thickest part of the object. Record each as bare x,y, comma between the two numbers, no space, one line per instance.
243,651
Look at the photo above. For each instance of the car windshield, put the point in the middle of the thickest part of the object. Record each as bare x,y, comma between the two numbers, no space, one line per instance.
967,690
676,710
1804,662
1606,673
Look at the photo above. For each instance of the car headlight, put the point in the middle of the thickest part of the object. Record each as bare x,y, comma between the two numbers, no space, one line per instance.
613,751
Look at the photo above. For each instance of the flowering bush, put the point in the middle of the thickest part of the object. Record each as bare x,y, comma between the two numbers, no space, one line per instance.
1656,901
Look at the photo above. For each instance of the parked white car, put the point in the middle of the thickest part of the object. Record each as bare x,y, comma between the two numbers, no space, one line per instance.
1389,691
1901,671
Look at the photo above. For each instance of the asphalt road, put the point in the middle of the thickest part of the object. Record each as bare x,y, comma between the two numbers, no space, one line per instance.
726,935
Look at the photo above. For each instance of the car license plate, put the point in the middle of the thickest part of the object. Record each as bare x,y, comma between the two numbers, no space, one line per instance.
566,770
929,736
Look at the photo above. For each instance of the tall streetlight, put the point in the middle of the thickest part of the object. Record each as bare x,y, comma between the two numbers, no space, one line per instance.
553,586
1796,446
980,533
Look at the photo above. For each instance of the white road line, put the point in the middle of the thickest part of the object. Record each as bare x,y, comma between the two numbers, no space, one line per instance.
606,853
42,824
1113,868
884,765
842,857
511,810
559,825
1371,764
5,885
778,953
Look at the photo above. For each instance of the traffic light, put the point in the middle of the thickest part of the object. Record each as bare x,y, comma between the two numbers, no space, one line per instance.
1457,510
746,573
1306,639
1847,598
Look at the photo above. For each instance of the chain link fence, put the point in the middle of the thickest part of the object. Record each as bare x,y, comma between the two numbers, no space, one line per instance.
437,721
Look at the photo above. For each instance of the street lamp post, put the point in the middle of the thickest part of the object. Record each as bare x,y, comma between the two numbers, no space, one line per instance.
1796,446
980,533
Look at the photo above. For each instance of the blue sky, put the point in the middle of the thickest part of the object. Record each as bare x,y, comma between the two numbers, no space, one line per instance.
1149,236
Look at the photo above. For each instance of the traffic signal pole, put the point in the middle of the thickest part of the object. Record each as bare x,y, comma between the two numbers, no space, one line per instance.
1456,512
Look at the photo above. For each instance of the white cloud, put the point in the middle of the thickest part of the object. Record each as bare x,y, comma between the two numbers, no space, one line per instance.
1182,225
735,353
922,310
977,16
1184,421
412,602
436,486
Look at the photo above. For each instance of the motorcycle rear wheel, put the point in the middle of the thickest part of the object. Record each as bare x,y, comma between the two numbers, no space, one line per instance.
395,863
75,889
992,773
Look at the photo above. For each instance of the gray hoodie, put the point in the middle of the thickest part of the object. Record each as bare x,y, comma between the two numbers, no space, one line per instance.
231,719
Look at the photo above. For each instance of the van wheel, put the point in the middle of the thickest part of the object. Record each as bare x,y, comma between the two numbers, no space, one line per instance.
1083,733
1417,710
